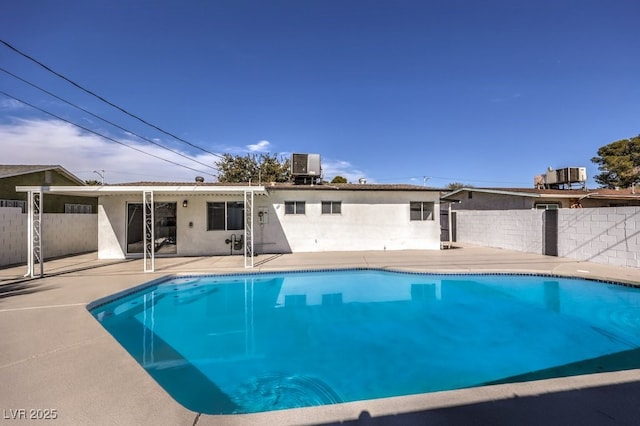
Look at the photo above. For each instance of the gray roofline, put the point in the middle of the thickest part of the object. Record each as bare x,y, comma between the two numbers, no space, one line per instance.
495,191
97,191
44,168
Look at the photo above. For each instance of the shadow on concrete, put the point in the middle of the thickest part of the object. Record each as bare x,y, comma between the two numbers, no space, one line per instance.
27,285
20,288
604,405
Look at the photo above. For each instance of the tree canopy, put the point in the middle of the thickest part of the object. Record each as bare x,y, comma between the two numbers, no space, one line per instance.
339,179
457,185
619,163
254,168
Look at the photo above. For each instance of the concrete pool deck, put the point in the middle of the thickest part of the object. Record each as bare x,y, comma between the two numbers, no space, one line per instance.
55,358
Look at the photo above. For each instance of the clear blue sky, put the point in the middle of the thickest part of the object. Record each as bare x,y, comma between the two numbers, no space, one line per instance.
488,93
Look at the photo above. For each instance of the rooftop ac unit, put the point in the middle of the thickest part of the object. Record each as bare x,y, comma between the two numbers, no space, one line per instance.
306,165
572,175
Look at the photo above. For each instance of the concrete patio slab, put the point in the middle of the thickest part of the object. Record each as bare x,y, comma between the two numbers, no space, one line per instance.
54,356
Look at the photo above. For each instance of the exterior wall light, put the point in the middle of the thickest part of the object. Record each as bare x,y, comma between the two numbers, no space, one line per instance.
185,203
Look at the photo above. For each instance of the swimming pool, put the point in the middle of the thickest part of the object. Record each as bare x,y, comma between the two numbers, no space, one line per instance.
223,344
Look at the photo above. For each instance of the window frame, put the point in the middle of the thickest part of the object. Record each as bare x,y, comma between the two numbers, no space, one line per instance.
425,214
214,223
335,207
292,208
546,206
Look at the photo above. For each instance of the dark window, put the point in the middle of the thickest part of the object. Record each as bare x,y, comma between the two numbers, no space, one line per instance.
331,207
294,207
225,216
235,215
421,210
215,217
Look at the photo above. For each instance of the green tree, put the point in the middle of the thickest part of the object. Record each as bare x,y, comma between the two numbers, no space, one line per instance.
457,185
619,163
92,182
254,168
339,179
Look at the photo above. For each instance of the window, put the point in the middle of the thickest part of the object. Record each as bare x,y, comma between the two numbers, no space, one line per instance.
225,216
294,207
331,207
14,203
549,206
78,208
421,210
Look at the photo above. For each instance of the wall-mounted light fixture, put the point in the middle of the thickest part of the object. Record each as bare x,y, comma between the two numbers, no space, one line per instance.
185,203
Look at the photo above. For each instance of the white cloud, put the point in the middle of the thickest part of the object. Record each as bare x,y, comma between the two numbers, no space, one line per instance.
262,146
11,104
333,168
54,142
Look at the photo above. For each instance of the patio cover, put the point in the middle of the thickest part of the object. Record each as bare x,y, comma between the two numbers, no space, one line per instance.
146,192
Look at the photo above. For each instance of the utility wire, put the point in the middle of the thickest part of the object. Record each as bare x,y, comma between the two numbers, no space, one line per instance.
105,100
103,119
101,135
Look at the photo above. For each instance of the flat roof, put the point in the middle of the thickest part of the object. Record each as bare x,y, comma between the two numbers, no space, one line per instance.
105,190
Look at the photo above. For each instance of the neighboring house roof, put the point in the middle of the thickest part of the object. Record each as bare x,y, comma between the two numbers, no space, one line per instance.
601,193
11,170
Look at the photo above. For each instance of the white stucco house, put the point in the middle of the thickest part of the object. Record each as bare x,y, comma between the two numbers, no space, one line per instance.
198,219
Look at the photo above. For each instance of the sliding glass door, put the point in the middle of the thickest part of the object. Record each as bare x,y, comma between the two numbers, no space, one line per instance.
164,228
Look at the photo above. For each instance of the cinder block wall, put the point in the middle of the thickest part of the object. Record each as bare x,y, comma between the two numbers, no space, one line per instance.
608,235
62,234
69,233
13,236
519,230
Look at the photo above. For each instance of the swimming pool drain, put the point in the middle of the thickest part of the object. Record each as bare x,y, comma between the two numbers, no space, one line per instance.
275,392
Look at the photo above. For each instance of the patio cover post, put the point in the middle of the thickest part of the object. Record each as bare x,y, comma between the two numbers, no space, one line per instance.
248,229
34,234
148,231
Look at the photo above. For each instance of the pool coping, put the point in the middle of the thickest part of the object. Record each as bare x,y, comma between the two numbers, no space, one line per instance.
127,292
385,405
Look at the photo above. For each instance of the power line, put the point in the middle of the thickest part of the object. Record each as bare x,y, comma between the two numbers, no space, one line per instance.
105,100
101,135
104,119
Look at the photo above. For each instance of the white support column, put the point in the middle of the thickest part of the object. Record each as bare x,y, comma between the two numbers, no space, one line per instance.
34,235
248,229
149,231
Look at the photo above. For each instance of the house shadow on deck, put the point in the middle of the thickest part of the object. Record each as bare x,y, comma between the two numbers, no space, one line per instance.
602,405
612,404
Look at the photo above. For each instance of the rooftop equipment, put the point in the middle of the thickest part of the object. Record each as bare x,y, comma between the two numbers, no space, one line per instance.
305,168
562,178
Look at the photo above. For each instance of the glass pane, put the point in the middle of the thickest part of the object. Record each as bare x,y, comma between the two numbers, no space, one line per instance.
299,207
415,210
427,211
326,207
134,228
165,228
337,207
289,207
235,215
215,216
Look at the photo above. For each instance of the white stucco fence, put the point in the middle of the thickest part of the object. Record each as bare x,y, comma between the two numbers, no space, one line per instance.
62,234
609,235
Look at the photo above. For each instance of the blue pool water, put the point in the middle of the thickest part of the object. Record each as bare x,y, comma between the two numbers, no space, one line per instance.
260,342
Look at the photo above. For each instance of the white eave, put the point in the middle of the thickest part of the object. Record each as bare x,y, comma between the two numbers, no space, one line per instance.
513,193
98,191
